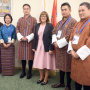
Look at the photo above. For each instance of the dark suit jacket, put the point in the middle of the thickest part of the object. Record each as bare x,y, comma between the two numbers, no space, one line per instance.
47,37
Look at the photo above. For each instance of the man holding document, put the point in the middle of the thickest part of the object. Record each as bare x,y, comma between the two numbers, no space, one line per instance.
79,47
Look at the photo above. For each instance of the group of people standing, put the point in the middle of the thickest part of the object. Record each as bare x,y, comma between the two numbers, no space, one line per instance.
36,42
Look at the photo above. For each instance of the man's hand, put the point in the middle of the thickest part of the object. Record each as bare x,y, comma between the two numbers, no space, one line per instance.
55,44
74,54
24,39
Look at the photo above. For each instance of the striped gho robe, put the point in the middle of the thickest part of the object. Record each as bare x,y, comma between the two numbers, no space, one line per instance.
80,67
63,59
25,27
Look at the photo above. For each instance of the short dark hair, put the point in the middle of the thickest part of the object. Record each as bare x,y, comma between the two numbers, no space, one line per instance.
27,5
86,4
66,4
9,16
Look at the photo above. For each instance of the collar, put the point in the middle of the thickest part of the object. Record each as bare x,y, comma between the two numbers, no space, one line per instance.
66,18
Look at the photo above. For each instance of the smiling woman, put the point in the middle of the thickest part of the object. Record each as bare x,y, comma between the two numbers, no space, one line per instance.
44,58
7,39
44,18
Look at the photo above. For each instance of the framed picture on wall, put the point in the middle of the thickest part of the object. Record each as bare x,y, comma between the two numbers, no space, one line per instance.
5,7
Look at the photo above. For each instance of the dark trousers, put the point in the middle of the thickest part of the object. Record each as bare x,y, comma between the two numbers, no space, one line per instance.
62,74
79,86
30,63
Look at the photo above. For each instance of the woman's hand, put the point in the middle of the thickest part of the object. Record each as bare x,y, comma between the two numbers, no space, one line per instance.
33,50
6,45
50,52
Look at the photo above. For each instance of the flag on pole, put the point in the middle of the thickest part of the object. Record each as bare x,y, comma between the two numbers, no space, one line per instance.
54,22
43,6
54,14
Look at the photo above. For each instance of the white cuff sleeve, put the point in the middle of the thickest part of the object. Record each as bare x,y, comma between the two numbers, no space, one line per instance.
13,41
69,47
1,41
54,38
62,42
30,37
19,36
83,52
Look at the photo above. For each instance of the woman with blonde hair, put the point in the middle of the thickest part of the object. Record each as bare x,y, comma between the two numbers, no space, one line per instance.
44,58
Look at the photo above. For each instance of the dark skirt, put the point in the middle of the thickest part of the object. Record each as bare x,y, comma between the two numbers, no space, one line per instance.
8,60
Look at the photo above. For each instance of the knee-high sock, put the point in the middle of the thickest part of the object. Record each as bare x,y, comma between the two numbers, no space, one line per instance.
23,65
68,79
78,86
62,74
30,63
86,87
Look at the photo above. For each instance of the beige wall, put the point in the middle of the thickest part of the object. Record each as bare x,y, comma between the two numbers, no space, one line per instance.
17,11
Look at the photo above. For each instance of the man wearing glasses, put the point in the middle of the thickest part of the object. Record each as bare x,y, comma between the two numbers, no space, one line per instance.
25,34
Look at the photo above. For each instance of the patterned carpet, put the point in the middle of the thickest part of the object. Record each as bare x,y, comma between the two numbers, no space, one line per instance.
15,83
